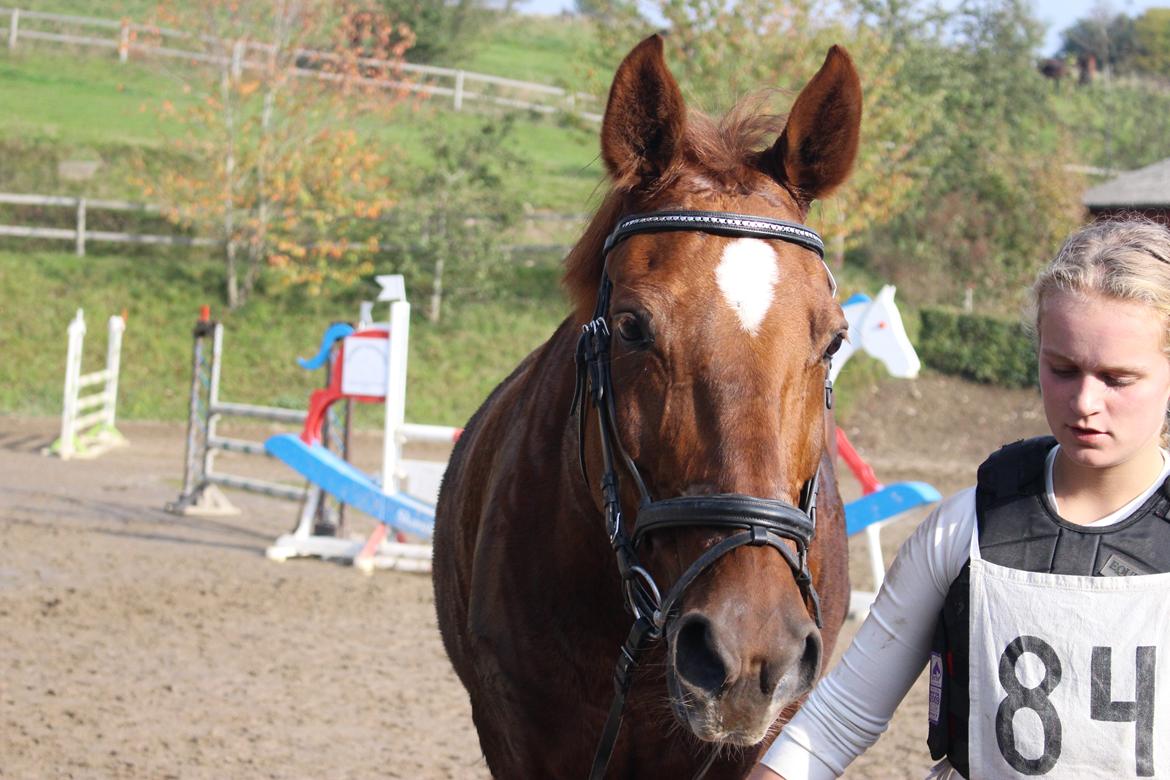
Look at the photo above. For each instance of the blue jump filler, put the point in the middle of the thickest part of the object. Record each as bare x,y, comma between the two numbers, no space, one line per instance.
890,501
351,486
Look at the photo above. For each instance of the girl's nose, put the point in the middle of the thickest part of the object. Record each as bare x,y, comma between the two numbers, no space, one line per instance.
1087,396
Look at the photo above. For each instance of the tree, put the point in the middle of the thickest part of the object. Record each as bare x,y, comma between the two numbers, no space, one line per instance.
444,32
997,197
452,229
723,52
1152,34
616,26
960,177
1105,36
280,172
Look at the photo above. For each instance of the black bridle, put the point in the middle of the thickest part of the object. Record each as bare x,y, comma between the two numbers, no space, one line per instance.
751,520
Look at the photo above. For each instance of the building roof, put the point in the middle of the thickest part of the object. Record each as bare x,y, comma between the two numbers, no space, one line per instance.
1144,188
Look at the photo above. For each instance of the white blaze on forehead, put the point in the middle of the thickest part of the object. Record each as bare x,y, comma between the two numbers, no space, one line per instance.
747,275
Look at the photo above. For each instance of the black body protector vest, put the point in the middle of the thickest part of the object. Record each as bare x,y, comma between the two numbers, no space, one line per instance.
1018,529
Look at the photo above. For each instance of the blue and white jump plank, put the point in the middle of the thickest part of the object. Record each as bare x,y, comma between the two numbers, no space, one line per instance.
351,486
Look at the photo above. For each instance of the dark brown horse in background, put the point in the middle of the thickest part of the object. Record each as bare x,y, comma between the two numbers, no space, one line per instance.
711,381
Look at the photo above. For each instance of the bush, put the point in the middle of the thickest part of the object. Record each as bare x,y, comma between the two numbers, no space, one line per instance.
986,349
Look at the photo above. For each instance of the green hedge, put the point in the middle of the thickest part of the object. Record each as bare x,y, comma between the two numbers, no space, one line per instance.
979,347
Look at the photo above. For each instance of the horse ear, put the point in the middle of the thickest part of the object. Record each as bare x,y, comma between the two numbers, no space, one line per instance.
644,118
815,153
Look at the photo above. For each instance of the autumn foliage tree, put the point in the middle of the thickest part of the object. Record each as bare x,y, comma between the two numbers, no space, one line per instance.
998,193
281,172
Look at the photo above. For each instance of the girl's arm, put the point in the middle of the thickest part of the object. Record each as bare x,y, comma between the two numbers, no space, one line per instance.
851,707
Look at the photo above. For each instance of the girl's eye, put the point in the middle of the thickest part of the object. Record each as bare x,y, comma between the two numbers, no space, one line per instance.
1117,381
835,345
633,331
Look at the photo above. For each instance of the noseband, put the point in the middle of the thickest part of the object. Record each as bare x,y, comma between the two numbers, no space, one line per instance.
751,521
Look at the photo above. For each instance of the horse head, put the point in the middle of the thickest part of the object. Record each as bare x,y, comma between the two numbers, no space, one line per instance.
719,350
875,326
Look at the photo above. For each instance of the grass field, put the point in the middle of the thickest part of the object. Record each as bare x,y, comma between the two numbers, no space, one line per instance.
82,100
85,105
453,365
532,48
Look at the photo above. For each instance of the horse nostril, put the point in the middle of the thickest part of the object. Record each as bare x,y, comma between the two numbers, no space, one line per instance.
810,660
696,658
804,672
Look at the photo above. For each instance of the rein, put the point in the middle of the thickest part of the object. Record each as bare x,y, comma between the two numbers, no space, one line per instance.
752,521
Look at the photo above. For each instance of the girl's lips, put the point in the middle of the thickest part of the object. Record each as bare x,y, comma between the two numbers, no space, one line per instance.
1084,433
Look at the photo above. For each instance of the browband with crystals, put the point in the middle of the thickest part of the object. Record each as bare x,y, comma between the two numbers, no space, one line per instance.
723,223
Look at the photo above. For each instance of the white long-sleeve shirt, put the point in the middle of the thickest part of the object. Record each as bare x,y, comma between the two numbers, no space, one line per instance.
851,707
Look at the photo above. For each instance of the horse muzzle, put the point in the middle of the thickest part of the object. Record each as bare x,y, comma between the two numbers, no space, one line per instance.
728,685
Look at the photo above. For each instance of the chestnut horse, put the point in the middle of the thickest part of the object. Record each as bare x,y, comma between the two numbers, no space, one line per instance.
696,360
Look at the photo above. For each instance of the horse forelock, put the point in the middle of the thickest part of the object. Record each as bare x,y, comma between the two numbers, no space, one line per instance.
721,155
725,147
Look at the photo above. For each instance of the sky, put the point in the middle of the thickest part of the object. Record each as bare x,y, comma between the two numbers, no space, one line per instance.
1057,14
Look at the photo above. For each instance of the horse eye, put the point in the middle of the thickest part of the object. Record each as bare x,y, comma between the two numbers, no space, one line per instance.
835,345
633,331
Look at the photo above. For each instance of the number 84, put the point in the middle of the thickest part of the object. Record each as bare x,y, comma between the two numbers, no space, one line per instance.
1101,705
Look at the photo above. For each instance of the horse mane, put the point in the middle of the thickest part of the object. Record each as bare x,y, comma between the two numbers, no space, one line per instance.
716,153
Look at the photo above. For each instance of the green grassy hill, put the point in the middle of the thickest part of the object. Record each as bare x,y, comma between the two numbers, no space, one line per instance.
453,365
88,106
84,105
532,48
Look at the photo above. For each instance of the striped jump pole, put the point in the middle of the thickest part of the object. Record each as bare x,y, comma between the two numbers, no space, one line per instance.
201,494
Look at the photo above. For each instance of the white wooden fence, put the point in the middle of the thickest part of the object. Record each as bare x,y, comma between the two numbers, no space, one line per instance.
126,38
539,231
79,234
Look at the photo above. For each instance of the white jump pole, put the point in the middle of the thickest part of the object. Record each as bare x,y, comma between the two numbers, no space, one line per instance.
89,435
116,326
394,291
72,374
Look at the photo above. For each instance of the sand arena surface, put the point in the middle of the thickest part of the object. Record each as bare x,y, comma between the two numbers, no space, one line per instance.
138,644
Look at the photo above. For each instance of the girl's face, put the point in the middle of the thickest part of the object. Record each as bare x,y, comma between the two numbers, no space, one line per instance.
1104,376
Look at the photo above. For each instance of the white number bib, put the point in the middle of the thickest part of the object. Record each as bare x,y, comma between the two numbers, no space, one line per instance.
1070,675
